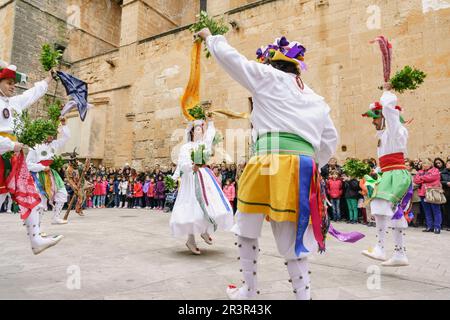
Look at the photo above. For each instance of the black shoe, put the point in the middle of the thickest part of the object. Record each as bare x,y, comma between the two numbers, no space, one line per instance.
437,231
427,230
448,229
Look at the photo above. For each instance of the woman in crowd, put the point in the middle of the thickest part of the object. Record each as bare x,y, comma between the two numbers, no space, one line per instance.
428,177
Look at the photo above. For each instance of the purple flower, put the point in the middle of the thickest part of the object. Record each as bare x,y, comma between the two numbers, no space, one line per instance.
283,42
259,53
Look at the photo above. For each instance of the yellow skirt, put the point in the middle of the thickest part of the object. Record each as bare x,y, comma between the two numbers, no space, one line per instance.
269,185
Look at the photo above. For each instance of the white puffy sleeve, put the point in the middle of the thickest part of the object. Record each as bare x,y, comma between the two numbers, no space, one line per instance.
64,132
184,159
248,73
6,145
32,162
209,135
328,140
29,97
391,115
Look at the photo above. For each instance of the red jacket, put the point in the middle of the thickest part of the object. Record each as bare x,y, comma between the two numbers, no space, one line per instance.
334,188
426,179
98,187
151,190
138,193
230,192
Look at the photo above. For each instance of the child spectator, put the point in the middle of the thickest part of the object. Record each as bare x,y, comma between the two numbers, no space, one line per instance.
335,190
110,193
145,190
123,190
130,193
160,192
151,193
230,191
351,194
104,186
97,192
117,192
138,194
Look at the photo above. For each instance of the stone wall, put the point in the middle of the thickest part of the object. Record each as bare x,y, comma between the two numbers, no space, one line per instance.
7,29
136,88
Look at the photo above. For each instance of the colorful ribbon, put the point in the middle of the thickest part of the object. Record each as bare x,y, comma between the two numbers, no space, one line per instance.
224,201
351,237
404,206
305,175
198,195
314,200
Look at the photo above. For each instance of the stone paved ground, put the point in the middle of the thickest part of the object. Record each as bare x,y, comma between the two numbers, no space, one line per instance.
129,254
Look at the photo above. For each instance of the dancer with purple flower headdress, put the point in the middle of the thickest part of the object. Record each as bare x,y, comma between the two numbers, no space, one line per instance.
293,137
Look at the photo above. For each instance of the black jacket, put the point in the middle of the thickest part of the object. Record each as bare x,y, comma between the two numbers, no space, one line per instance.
445,178
351,189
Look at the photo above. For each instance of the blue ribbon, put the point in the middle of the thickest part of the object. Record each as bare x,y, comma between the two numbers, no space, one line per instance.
38,184
225,203
305,176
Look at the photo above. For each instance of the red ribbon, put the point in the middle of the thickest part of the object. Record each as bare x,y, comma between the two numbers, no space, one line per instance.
20,185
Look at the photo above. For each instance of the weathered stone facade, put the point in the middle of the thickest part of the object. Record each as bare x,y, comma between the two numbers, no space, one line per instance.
136,85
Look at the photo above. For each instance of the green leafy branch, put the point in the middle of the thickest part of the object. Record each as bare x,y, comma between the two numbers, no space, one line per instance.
50,57
169,183
356,168
217,27
407,79
197,112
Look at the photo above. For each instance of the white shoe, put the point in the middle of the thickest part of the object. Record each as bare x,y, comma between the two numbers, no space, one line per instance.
193,248
207,238
9,211
233,293
375,254
49,242
59,221
396,262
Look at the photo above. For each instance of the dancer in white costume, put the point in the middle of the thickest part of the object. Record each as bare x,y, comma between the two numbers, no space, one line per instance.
393,192
200,207
294,136
48,182
8,142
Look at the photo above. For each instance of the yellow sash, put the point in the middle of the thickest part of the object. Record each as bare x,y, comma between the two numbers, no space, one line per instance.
9,136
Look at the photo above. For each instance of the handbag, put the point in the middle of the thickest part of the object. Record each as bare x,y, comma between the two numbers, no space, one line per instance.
435,195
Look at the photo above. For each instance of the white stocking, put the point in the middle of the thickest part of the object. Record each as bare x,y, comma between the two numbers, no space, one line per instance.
381,225
248,256
57,208
300,279
400,250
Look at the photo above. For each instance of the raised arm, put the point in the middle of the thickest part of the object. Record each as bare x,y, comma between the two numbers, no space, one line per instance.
391,115
64,132
209,135
248,73
30,96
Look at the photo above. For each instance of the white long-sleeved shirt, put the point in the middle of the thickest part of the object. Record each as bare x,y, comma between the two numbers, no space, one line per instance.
279,105
394,138
46,151
18,104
